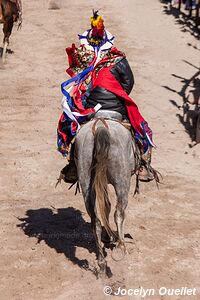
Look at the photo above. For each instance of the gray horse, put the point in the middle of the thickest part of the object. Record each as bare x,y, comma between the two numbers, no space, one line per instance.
104,154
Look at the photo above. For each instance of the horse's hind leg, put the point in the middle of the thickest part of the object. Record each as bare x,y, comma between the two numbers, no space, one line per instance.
121,189
96,227
119,215
90,202
98,231
7,29
86,176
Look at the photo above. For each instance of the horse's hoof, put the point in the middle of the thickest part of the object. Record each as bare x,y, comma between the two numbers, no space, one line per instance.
102,271
102,275
118,252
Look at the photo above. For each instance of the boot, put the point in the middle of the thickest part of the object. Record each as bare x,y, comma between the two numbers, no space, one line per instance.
145,171
69,172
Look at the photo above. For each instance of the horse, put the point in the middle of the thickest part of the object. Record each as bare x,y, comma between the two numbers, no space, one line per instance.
10,12
105,154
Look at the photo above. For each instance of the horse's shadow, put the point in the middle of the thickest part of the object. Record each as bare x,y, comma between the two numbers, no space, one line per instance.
63,229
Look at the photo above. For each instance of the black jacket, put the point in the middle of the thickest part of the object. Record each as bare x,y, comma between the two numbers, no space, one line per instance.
109,101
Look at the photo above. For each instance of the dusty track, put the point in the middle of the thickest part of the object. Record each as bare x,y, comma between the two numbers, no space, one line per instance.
46,242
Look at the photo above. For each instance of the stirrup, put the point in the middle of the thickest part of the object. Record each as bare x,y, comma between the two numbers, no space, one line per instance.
145,174
69,173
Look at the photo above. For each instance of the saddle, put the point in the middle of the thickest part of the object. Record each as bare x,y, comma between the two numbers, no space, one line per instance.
113,115
69,172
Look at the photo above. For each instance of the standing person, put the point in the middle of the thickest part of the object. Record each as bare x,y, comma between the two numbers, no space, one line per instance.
101,79
190,4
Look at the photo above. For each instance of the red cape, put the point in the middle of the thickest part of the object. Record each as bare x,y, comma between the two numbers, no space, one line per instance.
107,80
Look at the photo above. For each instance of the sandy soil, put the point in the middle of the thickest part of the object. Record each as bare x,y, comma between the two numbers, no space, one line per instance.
47,248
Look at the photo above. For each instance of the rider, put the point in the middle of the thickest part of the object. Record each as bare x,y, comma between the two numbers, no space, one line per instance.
102,79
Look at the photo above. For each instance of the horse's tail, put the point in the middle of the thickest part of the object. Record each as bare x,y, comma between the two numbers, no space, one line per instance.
100,181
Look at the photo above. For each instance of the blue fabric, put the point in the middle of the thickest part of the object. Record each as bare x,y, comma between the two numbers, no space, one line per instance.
78,78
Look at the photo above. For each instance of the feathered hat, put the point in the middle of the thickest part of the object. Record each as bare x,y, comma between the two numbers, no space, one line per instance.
97,36
97,31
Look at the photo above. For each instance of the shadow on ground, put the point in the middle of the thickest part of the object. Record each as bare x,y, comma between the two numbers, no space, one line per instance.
186,23
63,229
8,51
190,93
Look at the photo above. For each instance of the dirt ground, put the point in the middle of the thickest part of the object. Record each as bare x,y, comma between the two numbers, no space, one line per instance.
47,248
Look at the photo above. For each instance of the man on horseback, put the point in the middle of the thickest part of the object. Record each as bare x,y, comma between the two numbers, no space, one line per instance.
102,80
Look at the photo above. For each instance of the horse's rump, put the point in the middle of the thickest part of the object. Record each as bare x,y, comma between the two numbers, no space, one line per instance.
9,8
105,155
